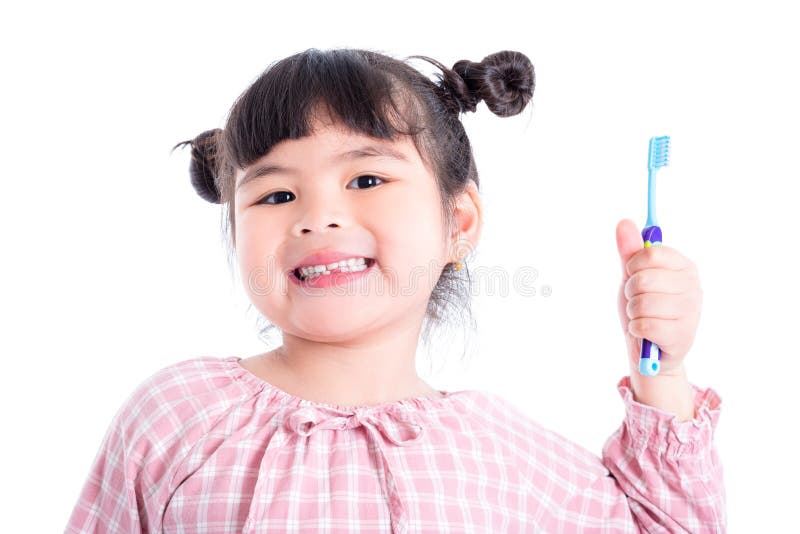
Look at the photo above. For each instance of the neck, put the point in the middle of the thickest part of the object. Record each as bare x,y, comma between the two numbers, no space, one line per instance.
359,372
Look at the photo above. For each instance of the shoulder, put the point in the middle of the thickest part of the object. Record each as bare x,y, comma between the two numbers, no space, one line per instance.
180,400
185,383
542,453
508,419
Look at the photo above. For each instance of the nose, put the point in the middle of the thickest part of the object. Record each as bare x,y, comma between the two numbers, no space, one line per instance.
319,214
306,230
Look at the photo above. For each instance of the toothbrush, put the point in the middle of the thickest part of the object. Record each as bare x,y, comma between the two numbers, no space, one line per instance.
657,157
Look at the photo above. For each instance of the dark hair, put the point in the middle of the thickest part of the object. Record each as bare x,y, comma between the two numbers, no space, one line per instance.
370,94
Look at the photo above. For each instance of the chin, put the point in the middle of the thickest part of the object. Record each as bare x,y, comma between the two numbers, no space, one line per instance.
327,327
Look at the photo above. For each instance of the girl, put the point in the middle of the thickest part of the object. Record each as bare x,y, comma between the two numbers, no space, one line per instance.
352,196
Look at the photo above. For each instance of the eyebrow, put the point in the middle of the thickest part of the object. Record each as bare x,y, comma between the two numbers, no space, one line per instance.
368,151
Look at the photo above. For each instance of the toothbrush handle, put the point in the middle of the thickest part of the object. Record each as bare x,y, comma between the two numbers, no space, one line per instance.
649,363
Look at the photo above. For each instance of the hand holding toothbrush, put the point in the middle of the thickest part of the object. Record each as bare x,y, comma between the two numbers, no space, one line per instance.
660,296
659,299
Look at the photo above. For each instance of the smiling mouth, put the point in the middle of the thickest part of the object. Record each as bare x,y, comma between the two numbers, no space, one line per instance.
369,262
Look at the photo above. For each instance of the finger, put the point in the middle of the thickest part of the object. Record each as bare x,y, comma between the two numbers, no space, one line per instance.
668,334
658,306
658,281
654,257
629,241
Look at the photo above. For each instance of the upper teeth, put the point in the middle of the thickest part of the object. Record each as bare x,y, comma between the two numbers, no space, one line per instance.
348,265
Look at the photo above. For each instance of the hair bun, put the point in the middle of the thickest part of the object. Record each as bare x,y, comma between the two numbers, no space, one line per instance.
204,165
504,80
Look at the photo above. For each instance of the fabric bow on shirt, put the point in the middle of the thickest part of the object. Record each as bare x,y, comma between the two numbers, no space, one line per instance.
395,423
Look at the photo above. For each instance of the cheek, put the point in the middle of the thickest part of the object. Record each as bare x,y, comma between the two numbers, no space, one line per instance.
407,227
255,252
414,209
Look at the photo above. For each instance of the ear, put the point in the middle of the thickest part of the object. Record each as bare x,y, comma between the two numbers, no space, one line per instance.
468,223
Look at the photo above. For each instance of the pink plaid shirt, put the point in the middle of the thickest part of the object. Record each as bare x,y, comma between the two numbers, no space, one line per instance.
205,446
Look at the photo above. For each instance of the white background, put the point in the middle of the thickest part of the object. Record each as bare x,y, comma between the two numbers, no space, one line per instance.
113,267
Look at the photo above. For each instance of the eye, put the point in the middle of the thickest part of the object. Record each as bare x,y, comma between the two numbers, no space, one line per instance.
280,194
362,180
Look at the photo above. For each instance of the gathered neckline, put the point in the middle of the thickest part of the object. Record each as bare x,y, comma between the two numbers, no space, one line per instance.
420,402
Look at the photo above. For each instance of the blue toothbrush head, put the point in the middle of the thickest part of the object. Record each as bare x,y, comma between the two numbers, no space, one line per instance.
659,152
657,157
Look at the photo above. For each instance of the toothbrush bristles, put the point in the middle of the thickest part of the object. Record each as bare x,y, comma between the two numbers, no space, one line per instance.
659,152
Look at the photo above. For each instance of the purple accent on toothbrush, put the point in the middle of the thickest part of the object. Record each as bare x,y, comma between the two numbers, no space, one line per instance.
651,234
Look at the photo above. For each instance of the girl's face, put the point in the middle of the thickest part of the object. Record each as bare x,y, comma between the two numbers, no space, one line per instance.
378,207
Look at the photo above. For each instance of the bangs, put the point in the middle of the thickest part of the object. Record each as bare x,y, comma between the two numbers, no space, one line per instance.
362,92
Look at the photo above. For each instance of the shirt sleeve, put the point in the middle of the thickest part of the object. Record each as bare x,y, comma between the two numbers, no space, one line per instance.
663,475
108,502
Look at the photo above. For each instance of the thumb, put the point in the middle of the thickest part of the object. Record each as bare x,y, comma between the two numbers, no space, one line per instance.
629,242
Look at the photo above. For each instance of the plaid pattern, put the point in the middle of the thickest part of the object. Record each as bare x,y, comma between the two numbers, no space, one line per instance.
204,446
